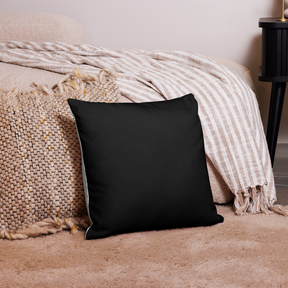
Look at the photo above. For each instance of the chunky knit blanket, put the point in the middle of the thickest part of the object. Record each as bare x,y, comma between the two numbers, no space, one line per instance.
233,132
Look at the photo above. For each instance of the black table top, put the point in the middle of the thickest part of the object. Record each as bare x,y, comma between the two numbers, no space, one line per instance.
271,22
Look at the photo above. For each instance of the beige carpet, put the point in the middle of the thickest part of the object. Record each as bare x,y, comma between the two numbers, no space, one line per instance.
248,251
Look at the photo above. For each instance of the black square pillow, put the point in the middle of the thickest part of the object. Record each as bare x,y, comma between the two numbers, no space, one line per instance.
144,166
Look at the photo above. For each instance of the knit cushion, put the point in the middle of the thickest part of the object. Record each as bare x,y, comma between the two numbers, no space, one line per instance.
40,157
143,166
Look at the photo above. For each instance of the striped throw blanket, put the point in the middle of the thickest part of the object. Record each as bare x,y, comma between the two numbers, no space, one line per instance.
233,132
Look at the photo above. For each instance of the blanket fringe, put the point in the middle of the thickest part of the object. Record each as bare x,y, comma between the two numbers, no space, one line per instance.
253,201
70,82
47,226
277,208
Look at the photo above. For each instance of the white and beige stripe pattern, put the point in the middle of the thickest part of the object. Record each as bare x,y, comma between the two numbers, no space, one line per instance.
234,136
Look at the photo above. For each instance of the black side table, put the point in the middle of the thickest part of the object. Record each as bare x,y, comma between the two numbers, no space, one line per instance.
274,69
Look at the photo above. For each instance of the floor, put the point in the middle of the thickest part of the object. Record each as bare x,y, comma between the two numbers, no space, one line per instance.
280,170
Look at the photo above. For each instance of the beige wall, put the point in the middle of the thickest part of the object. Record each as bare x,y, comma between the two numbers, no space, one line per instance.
222,28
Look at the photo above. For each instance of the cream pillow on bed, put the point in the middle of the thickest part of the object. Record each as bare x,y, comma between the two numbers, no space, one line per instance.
40,27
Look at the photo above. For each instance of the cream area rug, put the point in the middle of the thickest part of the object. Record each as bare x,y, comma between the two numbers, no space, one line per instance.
247,251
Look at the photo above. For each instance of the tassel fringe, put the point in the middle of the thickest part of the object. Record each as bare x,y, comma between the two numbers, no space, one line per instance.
47,226
254,201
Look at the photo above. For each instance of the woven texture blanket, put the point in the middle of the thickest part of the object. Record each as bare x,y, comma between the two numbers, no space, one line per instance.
233,132
41,188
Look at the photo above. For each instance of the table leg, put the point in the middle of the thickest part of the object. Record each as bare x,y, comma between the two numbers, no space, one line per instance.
275,111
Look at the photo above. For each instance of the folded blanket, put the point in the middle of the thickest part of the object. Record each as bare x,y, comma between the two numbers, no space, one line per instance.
234,137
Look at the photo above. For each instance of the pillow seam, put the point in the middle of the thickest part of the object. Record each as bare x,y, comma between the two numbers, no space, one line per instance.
85,182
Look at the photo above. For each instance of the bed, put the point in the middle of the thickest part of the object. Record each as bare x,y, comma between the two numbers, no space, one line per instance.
21,30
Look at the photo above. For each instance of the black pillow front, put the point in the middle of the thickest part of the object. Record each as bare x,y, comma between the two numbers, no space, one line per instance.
144,166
